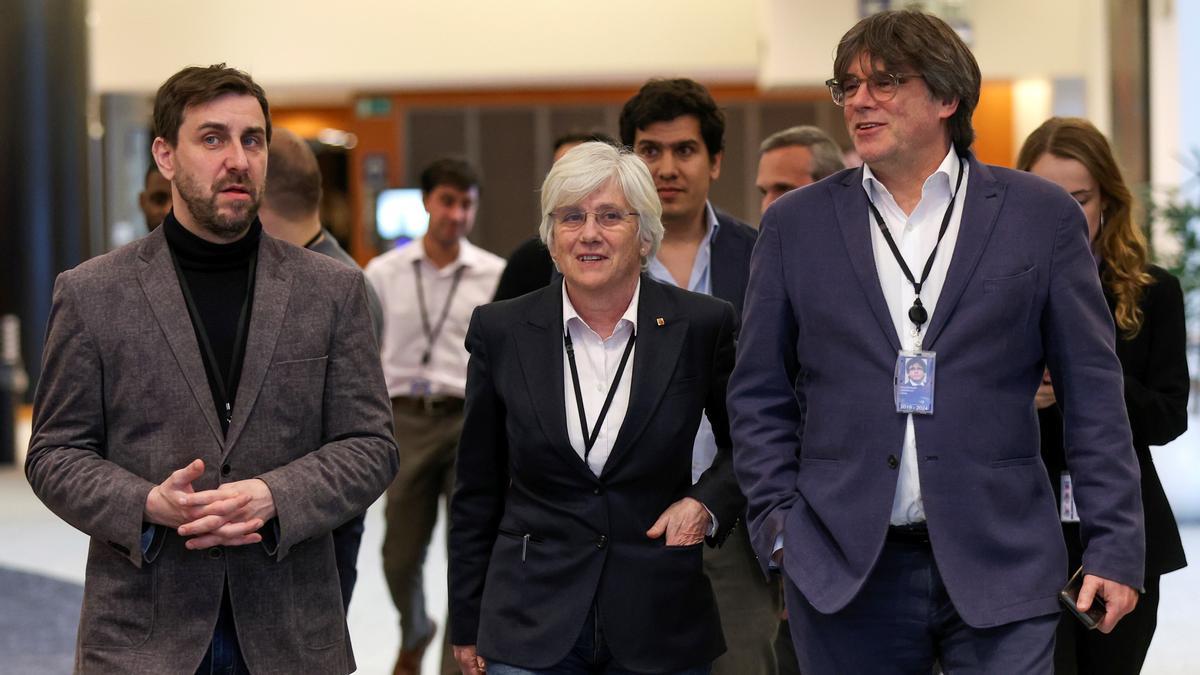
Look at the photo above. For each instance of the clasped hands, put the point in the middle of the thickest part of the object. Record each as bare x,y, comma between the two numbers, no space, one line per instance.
230,515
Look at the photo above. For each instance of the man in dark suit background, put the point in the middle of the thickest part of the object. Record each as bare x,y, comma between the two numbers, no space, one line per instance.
906,538
677,129
202,426
576,528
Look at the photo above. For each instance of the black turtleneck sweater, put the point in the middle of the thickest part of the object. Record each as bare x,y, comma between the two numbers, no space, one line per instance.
219,280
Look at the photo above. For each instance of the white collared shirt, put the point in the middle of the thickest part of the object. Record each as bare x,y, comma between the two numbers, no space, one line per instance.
597,359
915,236
393,275
704,451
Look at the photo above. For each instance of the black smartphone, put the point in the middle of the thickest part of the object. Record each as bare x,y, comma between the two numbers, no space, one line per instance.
1070,594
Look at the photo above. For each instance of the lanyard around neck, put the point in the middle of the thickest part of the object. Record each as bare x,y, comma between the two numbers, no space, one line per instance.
206,348
589,438
917,313
432,332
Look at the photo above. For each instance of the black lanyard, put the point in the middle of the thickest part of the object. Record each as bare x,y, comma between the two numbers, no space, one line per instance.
917,313
432,333
589,438
239,341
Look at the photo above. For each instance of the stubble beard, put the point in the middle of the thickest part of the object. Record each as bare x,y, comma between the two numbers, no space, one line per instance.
207,214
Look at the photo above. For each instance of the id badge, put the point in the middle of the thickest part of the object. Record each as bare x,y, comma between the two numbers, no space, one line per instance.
420,387
914,382
1067,512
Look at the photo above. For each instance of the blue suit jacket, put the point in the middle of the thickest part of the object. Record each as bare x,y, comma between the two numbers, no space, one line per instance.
1021,292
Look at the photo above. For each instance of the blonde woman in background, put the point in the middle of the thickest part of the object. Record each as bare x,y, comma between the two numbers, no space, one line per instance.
1147,306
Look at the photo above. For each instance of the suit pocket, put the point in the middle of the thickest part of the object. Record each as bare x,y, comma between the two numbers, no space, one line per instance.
292,396
1009,299
1013,461
316,593
524,540
682,386
118,606
1013,285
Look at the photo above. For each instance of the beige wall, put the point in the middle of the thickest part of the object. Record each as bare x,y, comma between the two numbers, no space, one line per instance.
1013,39
318,47
1028,42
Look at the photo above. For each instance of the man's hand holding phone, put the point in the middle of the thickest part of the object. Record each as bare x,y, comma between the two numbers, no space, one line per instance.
1098,602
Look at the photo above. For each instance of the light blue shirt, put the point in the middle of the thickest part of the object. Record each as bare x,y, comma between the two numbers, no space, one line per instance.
704,450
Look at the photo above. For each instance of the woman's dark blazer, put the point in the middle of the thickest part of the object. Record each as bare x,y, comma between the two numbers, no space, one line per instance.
1156,396
537,540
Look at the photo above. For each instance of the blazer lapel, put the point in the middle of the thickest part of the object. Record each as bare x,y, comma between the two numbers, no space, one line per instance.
160,283
850,204
272,288
540,350
980,212
657,350
729,265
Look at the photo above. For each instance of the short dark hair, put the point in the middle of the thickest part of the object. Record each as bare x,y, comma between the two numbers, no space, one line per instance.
293,177
912,40
665,100
449,171
577,137
197,85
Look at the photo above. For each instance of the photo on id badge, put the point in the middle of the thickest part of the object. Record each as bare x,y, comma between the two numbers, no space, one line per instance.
914,382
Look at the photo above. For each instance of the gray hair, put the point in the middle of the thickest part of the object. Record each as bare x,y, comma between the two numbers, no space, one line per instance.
827,156
588,166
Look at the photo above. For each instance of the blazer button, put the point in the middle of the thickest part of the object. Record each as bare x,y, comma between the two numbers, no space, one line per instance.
598,491
214,552
226,469
601,541
893,462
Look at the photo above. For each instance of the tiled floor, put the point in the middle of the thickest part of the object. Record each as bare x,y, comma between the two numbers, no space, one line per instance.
35,540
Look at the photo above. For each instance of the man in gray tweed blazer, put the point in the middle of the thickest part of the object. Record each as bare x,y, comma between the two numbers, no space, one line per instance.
205,421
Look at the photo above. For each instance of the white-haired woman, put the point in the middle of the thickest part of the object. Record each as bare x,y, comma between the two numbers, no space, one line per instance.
576,530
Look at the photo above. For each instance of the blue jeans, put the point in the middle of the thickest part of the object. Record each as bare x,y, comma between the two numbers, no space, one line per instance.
589,656
224,655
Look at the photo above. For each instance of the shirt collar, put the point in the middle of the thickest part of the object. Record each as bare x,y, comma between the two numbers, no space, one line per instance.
943,177
710,217
468,254
630,315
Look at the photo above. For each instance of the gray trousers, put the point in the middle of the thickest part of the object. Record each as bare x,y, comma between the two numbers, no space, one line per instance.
749,606
428,447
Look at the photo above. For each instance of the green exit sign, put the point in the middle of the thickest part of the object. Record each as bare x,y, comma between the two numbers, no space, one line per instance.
375,106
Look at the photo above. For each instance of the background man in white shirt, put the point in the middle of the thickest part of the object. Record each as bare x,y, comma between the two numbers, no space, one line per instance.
428,290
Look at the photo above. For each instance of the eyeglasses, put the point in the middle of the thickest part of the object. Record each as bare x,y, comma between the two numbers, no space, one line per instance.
573,219
883,86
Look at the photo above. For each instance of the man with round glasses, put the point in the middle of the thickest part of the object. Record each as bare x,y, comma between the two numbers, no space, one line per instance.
919,527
